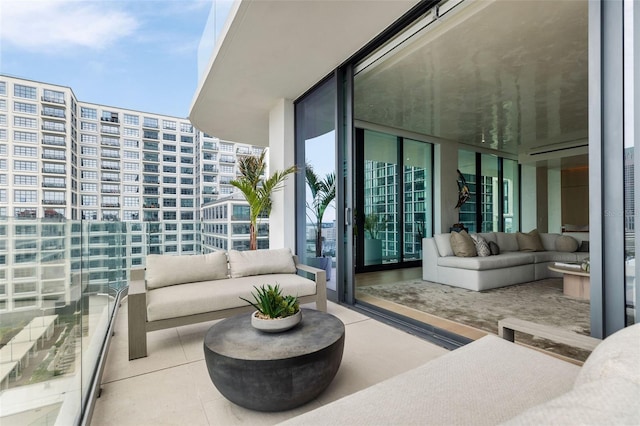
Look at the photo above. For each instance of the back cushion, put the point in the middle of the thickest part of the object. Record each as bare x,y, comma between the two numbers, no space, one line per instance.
507,241
443,243
164,270
567,244
463,245
617,356
488,236
530,241
549,240
261,262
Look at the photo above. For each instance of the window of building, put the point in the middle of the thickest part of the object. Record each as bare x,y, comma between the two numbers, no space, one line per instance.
186,128
53,125
54,96
89,175
24,196
89,215
25,107
53,112
29,137
30,166
169,169
150,122
129,177
131,201
112,130
186,170
186,149
133,155
169,148
130,143
3,195
131,189
25,151
3,164
92,139
3,134
22,91
30,123
24,180
168,125
89,150
131,119
128,131
3,88
169,215
90,113
89,187
89,127
3,104
169,179
168,137
89,200
131,166
89,163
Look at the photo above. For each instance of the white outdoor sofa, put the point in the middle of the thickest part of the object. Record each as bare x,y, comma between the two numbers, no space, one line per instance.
493,381
179,290
511,266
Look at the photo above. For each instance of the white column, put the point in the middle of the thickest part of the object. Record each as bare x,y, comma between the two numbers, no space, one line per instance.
554,191
529,198
445,186
281,156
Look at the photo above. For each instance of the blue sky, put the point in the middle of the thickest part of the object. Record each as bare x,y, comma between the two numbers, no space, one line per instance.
139,54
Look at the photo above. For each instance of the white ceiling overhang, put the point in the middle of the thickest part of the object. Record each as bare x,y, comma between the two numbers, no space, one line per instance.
275,50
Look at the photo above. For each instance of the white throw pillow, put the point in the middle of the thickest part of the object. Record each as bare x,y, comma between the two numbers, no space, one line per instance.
566,243
443,244
261,262
164,270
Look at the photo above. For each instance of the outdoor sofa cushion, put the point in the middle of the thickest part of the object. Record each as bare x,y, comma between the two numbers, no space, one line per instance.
167,270
261,262
208,296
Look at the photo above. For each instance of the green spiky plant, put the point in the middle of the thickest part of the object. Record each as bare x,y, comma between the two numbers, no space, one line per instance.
257,189
270,303
323,192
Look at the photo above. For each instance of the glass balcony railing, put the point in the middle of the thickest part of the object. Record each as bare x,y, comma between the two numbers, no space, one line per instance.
57,304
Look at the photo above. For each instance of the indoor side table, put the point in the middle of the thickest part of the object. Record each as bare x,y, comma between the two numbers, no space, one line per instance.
274,371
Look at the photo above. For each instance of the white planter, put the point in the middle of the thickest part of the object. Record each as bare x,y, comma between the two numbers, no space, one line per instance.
276,325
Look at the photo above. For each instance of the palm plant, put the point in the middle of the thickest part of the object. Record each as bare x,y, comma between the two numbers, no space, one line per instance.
257,189
323,191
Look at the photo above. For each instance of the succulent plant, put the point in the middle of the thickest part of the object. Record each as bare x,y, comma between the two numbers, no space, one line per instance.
269,301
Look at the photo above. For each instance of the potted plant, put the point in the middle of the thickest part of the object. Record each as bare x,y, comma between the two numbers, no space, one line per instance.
257,189
274,312
373,224
323,192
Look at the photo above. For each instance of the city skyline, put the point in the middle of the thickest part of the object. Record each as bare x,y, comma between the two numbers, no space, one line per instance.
140,55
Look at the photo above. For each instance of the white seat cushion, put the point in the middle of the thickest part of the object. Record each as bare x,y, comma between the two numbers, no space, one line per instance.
503,260
208,296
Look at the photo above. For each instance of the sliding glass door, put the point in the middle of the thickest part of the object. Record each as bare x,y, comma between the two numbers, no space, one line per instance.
393,198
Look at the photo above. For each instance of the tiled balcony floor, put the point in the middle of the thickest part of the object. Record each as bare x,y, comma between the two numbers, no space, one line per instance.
172,386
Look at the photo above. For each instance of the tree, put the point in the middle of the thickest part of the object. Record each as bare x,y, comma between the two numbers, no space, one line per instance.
257,189
323,191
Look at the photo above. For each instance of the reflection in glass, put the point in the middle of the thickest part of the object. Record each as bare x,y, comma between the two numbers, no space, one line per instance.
629,234
417,160
467,212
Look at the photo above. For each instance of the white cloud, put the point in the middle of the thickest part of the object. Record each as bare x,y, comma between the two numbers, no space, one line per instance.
46,25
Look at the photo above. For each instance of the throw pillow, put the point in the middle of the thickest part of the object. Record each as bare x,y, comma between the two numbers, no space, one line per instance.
495,249
530,241
462,244
584,247
566,243
481,245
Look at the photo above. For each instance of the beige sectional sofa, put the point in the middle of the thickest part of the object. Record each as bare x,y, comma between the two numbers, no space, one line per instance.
511,266
178,290
492,381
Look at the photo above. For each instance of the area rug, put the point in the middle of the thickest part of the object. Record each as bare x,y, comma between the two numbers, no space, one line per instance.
539,301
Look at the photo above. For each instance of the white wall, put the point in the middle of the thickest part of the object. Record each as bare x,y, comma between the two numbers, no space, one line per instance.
281,156
529,198
554,194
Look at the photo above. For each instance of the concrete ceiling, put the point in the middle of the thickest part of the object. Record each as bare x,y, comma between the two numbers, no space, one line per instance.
509,76
280,49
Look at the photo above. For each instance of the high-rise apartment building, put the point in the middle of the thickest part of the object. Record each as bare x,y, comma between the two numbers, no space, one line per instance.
128,183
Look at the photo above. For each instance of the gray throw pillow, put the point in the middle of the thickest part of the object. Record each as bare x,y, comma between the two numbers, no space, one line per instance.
495,249
462,244
482,248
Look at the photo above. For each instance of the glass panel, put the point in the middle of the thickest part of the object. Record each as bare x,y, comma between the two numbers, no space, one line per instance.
511,195
467,211
489,193
380,198
315,123
417,196
630,236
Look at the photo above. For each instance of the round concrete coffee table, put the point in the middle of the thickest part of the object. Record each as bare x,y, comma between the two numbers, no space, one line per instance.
274,371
